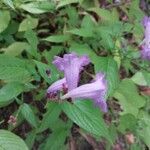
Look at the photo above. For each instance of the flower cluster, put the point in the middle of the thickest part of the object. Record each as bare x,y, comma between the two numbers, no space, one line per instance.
145,53
72,65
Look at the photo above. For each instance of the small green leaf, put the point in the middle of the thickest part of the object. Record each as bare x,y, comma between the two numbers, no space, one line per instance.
28,114
10,141
103,13
67,2
57,38
42,68
9,92
83,32
5,18
129,97
139,79
28,23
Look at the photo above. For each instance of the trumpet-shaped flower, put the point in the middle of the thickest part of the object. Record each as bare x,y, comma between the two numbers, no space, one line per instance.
95,90
71,64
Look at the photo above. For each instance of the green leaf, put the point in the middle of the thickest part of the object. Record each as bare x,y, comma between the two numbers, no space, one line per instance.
10,141
139,79
28,114
28,23
127,122
129,97
9,92
144,130
84,114
83,32
108,66
83,49
15,48
103,13
42,68
57,38
58,137
52,114
67,2
38,7
5,18
32,39
9,3
13,69
30,139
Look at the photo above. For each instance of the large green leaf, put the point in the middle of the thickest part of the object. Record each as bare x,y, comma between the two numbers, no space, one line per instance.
10,91
28,114
10,141
108,66
15,48
9,3
13,69
5,18
129,97
38,7
84,114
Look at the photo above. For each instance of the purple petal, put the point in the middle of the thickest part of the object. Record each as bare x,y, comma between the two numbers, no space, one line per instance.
59,63
95,90
102,104
84,60
145,52
56,86
72,70
145,21
71,64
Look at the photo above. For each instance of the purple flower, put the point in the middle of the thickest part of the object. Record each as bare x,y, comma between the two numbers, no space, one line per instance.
71,65
145,52
55,87
95,90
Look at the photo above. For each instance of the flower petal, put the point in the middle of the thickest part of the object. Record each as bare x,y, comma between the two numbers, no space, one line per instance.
59,63
56,86
102,104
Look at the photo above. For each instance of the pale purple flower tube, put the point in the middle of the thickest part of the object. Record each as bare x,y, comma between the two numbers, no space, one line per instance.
71,64
145,52
95,90
55,87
